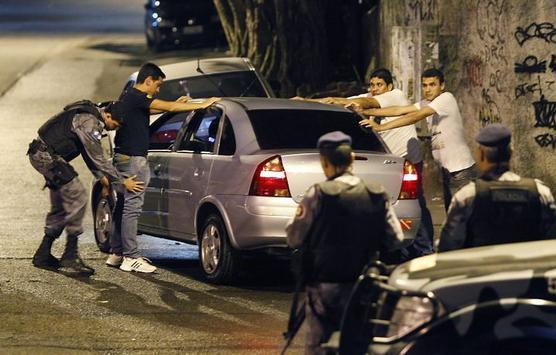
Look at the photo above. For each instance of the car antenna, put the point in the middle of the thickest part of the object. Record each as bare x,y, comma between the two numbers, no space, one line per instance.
200,71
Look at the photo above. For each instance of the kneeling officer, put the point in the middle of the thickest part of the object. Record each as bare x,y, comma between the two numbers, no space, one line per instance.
74,131
340,225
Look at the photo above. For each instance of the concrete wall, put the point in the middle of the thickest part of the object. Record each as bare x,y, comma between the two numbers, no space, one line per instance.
499,57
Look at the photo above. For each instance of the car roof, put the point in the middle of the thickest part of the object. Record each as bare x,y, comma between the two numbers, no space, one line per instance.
263,103
208,66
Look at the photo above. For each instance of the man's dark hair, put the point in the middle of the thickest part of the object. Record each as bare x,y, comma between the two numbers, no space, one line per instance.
384,74
433,73
339,156
116,110
149,69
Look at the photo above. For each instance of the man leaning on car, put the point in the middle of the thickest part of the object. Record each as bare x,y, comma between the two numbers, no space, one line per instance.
499,207
130,158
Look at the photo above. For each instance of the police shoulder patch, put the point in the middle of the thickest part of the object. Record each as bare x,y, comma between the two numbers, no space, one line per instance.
300,211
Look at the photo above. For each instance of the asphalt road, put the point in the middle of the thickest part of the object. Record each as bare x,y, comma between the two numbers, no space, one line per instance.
55,52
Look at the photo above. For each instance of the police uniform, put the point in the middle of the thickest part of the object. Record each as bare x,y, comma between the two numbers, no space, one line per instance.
340,224
500,206
74,131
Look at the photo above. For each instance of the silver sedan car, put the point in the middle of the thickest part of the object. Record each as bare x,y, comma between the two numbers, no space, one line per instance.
229,178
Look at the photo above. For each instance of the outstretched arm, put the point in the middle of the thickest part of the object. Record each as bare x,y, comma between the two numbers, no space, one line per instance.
405,120
390,111
359,102
158,106
324,100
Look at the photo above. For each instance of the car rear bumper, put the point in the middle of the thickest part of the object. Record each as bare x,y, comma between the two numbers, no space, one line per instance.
259,222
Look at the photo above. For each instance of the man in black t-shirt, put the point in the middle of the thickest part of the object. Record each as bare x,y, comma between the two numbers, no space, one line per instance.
130,158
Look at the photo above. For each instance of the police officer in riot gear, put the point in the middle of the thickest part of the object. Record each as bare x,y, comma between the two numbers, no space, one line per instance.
500,206
74,131
340,225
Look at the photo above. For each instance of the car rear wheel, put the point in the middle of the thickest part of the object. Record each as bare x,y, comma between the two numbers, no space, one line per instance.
219,261
103,224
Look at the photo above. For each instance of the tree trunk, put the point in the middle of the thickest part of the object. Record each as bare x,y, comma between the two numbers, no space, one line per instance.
304,44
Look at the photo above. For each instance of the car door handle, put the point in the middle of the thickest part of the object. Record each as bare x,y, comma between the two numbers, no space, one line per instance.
157,168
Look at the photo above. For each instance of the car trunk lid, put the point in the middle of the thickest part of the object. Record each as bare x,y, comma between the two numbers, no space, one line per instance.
304,169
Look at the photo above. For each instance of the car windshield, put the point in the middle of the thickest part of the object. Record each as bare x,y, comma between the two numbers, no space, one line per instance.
300,129
235,84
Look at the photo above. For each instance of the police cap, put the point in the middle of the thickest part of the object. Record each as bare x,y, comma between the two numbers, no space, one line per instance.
333,139
494,135
116,109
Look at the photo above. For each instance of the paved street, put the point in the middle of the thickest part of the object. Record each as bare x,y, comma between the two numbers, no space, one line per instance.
172,311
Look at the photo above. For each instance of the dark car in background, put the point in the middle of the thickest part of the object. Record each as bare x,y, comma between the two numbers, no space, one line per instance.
183,23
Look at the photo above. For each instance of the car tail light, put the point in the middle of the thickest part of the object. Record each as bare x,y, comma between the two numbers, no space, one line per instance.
270,179
410,182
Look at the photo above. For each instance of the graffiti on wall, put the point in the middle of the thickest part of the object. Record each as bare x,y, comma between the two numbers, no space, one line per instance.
552,64
546,140
530,87
544,109
495,80
545,31
489,112
530,65
545,113
422,10
473,71
491,27
490,19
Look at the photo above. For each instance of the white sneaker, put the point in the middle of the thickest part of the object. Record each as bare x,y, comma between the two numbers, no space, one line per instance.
114,260
137,264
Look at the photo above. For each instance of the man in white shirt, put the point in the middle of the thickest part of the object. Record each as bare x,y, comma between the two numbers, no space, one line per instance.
448,144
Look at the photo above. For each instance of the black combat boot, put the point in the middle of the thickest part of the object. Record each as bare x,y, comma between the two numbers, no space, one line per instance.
43,258
71,260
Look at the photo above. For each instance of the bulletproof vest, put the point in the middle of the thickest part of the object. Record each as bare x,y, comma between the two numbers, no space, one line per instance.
347,231
57,131
504,212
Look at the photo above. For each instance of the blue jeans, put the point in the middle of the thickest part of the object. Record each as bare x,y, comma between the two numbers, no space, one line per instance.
453,181
123,240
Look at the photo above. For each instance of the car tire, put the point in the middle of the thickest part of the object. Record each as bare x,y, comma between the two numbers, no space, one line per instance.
103,223
219,261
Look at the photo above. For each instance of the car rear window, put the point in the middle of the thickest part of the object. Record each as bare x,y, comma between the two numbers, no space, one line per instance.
300,129
235,84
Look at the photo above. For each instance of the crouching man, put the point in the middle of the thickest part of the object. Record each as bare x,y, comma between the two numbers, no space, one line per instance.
77,130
